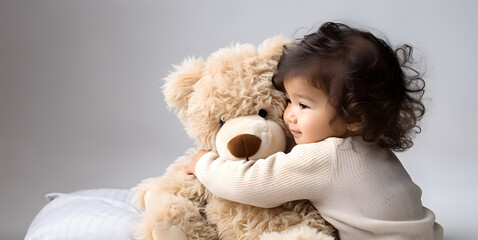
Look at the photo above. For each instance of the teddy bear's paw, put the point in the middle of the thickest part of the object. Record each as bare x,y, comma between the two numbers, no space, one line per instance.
147,200
164,231
300,233
141,190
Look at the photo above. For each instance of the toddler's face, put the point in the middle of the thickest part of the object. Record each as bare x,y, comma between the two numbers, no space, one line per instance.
308,113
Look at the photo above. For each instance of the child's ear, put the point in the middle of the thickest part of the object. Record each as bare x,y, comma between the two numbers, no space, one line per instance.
180,83
354,127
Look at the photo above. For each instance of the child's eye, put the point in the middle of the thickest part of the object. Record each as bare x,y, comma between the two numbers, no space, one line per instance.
303,106
287,101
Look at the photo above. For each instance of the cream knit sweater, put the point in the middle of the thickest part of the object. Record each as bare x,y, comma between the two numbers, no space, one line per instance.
361,189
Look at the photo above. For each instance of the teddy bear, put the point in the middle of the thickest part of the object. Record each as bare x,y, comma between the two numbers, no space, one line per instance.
229,105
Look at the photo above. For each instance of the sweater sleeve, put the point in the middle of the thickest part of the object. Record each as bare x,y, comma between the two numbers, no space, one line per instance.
270,182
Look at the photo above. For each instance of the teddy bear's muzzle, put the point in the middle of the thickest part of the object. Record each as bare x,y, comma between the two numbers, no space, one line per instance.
244,145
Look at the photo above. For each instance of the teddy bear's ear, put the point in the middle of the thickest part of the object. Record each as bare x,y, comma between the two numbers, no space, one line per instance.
272,48
180,83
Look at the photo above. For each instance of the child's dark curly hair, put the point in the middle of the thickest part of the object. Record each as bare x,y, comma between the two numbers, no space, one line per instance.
366,81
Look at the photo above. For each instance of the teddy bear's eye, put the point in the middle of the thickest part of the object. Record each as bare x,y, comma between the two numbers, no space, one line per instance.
263,113
222,121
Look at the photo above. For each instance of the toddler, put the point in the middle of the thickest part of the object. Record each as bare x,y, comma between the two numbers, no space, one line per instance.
351,101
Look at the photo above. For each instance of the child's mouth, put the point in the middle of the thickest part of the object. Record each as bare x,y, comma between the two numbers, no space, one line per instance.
294,132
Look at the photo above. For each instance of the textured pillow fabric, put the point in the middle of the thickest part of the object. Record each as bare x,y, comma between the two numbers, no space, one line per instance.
86,214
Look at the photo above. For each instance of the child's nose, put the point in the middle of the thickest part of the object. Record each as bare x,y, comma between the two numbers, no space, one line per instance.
289,115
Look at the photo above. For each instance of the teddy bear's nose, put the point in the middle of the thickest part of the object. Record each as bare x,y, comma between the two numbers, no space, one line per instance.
244,145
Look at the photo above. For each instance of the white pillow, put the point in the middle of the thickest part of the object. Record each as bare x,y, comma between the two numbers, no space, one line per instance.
86,214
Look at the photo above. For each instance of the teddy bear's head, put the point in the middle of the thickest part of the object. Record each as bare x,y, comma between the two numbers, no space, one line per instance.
229,99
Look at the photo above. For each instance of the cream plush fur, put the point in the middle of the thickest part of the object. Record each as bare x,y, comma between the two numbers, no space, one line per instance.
217,100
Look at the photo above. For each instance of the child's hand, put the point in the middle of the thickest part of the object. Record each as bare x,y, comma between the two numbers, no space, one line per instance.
191,168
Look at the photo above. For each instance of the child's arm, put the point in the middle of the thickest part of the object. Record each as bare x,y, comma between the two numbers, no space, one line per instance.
301,174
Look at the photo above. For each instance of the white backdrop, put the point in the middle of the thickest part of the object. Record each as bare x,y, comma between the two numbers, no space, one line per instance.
80,105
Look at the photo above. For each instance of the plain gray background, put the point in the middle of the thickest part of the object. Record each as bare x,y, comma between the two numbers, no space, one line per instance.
80,104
